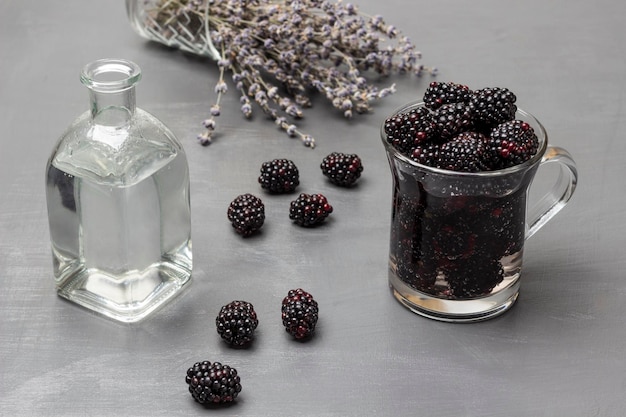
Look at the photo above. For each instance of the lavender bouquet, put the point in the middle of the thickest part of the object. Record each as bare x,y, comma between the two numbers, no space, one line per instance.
280,52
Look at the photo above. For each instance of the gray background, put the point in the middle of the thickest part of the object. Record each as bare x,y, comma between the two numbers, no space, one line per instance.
559,351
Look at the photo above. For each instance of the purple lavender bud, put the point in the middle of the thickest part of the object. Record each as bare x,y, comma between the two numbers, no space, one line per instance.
327,7
216,37
303,100
387,91
261,98
253,89
291,130
284,103
293,111
209,124
341,92
204,139
391,31
308,141
246,109
377,20
215,110
221,87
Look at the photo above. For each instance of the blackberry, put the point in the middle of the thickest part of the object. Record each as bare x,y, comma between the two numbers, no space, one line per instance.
440,93
473,277
492,106
279,176
342,169
309,209
452,119
246,214
65,184
414,262
236,323
466,152
407,130
456,241
213,383
426,154
502,231
299,313
407,211
511,143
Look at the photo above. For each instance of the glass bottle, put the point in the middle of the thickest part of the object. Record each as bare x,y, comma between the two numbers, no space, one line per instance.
117,188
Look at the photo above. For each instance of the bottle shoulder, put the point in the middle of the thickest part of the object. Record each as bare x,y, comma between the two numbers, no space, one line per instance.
120,156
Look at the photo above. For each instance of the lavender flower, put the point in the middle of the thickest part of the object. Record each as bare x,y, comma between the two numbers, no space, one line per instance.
278,51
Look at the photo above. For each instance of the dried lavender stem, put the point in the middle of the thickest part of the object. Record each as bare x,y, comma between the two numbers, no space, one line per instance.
299,45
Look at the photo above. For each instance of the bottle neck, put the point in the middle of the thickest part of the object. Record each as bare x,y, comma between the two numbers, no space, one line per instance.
112,109
111,84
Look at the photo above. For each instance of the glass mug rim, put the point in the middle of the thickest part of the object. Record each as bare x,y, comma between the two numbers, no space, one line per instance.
539,129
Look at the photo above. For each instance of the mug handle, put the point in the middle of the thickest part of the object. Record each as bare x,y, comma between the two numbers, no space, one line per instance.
554,200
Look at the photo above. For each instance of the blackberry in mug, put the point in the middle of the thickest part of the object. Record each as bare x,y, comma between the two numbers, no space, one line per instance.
462,163
459,239
443,251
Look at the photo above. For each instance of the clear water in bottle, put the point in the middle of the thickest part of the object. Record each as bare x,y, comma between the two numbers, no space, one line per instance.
119,214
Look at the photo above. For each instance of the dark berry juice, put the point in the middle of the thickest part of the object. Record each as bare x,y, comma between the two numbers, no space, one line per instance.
456,246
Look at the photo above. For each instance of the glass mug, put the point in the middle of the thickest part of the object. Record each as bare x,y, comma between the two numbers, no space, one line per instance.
457,238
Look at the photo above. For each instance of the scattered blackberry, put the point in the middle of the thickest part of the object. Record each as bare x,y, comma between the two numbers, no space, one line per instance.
279,176
466,152
512,143
439,93
492,106
452,119
246,214
309,209
213,383
342,169
299,313
407,130
236,323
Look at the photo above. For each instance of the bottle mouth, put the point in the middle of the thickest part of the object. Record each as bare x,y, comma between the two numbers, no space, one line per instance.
110,75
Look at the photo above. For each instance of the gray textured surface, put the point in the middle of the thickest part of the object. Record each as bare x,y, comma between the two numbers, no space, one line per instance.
559,351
